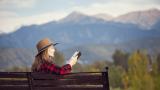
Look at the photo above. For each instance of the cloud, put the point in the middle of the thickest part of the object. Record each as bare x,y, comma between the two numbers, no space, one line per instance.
117,8
11,23
17,3
71,3
7,14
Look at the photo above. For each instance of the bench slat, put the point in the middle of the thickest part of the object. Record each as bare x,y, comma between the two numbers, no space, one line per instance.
69,88
68,76
13,75
14,88
13,82
72,79
66,82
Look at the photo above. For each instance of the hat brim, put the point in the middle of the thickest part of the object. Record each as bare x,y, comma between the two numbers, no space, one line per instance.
46,47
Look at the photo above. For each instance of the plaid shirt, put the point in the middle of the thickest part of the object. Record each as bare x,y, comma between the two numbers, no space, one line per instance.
53,68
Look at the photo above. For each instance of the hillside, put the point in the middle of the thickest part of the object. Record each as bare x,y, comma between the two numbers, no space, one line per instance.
105,51
11,56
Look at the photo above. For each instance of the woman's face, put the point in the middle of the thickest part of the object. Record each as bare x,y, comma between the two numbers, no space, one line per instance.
51,51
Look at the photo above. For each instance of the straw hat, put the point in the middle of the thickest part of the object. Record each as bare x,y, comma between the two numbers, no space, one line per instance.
43,44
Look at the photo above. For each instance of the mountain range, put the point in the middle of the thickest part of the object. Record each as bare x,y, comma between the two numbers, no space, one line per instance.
80,29
144,19
12,56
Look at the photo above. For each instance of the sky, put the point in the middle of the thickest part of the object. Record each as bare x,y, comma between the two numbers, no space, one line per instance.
17,13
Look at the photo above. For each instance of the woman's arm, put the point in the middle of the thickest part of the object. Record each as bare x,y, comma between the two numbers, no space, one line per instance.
53,68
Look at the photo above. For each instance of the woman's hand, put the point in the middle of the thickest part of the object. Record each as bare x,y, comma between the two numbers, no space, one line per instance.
73,61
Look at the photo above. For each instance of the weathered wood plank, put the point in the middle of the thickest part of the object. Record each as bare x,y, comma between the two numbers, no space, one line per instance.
13,82
68,88
13,75
14,88
68,76
66,82
68,73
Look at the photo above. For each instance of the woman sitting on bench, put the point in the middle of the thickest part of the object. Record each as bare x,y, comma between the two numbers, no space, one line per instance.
43,63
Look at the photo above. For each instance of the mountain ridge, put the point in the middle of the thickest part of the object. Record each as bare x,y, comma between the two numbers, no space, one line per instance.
146,18
80,18
121,18
103,16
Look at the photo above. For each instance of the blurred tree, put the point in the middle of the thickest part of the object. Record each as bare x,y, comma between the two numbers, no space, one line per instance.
120,59
139,71
90,69
150,60
25,69
158,61
125,79
58,58
77,67
108,63
99,65
19,69
115,78
156,74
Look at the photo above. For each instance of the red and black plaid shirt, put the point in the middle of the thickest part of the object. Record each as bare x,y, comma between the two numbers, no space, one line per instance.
53,68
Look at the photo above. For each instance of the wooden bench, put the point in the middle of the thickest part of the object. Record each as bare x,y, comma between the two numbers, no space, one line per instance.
41,81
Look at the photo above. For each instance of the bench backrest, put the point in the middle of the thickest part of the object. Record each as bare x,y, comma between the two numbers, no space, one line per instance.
46,81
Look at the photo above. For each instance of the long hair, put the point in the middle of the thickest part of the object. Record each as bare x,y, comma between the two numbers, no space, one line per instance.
41,58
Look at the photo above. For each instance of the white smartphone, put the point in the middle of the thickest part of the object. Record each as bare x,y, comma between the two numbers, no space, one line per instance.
75,53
